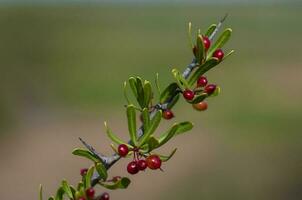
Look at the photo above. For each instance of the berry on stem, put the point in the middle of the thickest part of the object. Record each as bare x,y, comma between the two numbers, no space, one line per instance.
153,162
142,165
83,171
209,89
206,42
123,150
168,114
218,54
105,196
188,94
201,106
81,198
90,193
132,167
202,81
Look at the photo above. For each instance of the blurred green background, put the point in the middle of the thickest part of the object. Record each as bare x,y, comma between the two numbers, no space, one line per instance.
61,73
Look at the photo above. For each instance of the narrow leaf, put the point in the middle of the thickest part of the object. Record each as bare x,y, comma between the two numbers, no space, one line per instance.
153,143
216,92
40,192
59,194
184,127
226,56
190,35
146,119
200,50
173,101
199,98
165,137
153,126
210,63
85,153
180,80
166,158
88,177
140,91
224,38
157,83
67,189
113,137
147,93
169,92
125,92
123,183
132,83
101,169
131,116
210,30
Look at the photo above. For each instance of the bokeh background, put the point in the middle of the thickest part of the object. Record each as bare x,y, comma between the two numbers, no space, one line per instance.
62,65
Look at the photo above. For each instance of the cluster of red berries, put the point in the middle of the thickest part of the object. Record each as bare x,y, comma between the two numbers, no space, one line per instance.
90,192
139,163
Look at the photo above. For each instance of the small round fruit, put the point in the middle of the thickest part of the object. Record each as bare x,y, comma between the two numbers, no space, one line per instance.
168,114
132,167
153,162
83,171
202,81
82,198
209,89
218,54
123,150
201,106
188,94
142,165
105,196
206,42
90,193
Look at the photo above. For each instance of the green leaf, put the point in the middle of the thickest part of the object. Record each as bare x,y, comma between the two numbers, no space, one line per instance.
166,158
59,194
85,153
40,192
184,127
131,116
226,56
140,91
190,35
169,92
210,30
67,189
123,183
165,137
146,118
51,198
132,83
80,186
173,101
88,177
152,143
216,92
224,38
113,137
153,126
200,55
157,83
198,98
210,63
101,169
147,93
125,92
180,80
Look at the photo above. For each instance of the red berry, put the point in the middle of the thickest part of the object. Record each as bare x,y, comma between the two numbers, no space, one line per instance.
188,94
81,198
209,89
153,162
105,196
83,171
202,81
206,42
218,54
90,193
168,114
142,165
132,167
201,106
123,150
